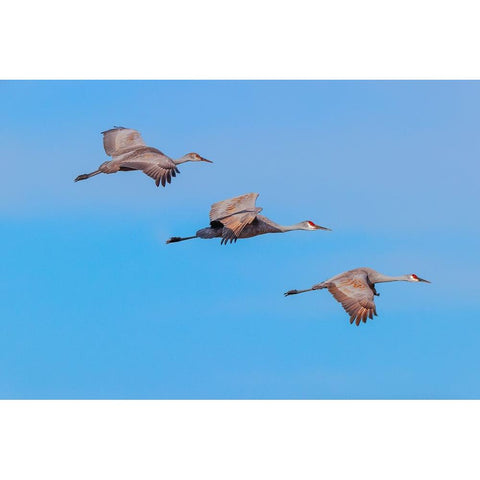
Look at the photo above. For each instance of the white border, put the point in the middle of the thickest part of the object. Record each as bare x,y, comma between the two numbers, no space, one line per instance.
259,39
239,439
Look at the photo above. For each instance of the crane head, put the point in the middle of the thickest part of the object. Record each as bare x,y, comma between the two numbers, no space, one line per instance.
309,225
414,278
195,157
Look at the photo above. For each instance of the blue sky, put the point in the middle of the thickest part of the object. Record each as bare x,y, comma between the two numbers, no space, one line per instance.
95,305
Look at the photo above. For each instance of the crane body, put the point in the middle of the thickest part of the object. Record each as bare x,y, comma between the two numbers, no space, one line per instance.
129,152
238,217
355,290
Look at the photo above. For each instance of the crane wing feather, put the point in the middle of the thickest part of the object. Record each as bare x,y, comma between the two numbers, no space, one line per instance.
155,165
235,213
120,140
355,294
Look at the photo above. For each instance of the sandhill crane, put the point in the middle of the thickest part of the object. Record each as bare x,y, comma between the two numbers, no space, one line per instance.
355,290
239,218
129,152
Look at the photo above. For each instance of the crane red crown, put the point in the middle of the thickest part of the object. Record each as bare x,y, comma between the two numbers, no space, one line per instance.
414,276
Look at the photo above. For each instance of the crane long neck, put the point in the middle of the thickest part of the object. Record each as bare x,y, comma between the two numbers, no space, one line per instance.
381,278
178,161
290,228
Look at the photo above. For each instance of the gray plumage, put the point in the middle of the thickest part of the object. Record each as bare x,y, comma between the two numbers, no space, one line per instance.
238,217
355,290
129,152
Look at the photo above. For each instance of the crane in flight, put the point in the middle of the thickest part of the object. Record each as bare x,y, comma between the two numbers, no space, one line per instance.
355,290
239,218
129,152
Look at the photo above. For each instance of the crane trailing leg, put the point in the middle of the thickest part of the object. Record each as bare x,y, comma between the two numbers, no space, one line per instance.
315,287
179,239
87,175
202,233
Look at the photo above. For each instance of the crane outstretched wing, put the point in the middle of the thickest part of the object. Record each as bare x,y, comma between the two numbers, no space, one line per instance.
356,296
153,163
235,213
121,140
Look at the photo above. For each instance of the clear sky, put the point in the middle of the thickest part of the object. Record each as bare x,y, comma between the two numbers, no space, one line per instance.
95,305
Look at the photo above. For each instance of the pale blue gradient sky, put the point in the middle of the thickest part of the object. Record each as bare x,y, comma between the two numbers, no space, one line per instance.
95,305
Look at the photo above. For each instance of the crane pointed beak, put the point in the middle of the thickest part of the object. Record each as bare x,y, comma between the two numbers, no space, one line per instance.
423,280
205,160
318,227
